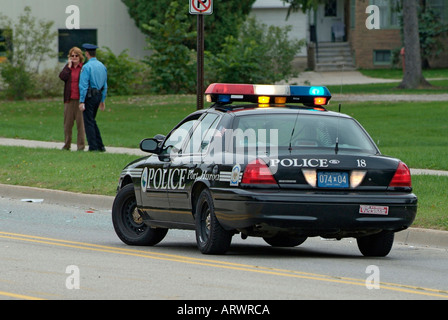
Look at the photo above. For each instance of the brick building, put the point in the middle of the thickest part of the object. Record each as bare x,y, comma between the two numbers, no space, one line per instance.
338,37
376,48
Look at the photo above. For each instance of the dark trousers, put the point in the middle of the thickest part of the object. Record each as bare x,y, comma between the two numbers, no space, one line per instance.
92,131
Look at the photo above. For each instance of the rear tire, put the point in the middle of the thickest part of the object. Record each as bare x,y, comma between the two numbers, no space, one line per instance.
128,223
211,237
376,245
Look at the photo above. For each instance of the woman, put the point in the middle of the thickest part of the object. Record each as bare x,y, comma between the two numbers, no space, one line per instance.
70,75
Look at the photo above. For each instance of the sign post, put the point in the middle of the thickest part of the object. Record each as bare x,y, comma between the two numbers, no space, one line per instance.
200,8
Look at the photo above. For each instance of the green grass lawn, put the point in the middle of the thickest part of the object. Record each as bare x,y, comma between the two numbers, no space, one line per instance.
124,123
417,133
84,172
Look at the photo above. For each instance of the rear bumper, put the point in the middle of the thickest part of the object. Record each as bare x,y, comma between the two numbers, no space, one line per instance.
312,213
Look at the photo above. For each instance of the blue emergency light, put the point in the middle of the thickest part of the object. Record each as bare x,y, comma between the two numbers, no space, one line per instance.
225,93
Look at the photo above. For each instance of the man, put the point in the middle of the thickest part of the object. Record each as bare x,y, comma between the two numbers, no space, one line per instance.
92,95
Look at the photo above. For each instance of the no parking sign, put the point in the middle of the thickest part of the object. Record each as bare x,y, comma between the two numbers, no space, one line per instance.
201,6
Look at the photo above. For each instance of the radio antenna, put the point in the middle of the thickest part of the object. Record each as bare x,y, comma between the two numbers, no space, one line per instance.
336,147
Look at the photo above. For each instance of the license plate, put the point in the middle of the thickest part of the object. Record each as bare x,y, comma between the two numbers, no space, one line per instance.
327,179
377,210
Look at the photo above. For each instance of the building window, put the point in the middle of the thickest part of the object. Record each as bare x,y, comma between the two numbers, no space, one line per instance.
5,44
74,38
382,57
331,8
389,13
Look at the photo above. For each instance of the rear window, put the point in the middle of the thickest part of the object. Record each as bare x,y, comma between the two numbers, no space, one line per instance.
302,132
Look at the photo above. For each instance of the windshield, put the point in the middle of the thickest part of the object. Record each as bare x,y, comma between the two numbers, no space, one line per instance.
302,132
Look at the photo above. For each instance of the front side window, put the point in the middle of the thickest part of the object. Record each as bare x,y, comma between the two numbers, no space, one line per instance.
203,133
178,137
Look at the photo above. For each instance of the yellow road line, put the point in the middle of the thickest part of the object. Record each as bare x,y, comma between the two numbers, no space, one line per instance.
18,296
223,264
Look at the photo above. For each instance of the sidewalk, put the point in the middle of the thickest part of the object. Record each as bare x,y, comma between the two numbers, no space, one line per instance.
58,145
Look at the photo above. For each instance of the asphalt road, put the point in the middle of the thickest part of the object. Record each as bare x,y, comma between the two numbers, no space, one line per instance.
53,251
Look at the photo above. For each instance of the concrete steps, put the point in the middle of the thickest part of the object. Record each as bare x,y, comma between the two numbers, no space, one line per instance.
334,56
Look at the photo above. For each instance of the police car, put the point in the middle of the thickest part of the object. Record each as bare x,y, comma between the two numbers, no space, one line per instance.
265,161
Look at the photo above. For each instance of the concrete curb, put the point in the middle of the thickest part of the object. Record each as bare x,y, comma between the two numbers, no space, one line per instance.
57,197
411,236
423,237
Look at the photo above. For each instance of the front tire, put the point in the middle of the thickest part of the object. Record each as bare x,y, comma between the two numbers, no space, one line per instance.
128,223
211,237
376,245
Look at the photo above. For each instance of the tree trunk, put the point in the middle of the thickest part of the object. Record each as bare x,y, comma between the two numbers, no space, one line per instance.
412,77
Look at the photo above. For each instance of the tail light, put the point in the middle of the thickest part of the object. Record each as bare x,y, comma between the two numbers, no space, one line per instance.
402,177
257,172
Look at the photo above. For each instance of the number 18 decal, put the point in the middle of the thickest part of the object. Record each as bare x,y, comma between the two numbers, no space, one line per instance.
361,163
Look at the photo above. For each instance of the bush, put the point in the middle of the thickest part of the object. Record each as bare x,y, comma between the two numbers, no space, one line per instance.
48,84
28,42
125,75
18,81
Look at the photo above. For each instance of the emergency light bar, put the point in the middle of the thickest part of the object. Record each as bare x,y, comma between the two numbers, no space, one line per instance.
224,93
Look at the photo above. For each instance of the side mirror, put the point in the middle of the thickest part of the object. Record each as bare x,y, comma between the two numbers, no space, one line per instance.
150,145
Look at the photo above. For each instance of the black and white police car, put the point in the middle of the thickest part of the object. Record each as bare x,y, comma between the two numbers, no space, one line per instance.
266,161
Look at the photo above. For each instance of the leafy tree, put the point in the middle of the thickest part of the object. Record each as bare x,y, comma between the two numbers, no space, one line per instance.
226,18
172,63
431,28
31,40
260,54
29,43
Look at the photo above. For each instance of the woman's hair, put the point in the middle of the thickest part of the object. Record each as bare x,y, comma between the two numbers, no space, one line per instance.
76,50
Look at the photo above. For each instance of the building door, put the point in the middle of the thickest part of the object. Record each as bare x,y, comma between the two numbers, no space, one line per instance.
330,21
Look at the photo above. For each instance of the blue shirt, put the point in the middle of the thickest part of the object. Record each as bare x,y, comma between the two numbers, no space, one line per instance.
93,75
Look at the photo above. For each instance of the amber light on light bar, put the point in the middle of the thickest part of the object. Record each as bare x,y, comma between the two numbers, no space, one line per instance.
280,99
320,101
263,99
